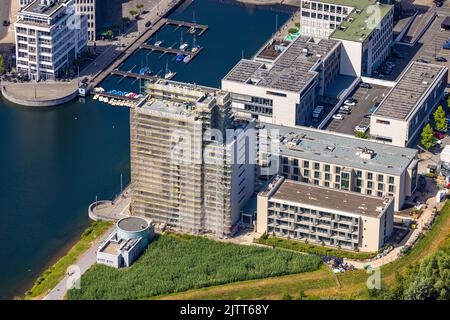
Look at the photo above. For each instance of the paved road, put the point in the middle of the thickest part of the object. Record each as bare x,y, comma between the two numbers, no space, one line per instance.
84,263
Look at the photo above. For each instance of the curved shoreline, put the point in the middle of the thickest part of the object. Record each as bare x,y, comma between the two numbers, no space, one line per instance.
37,103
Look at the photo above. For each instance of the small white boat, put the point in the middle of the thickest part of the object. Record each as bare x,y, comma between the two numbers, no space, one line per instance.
106,100
96,97
158,43
187,59
184,46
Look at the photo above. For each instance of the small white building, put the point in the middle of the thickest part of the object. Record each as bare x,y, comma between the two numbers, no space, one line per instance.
126,243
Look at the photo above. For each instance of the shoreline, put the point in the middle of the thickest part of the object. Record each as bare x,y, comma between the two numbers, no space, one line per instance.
59,254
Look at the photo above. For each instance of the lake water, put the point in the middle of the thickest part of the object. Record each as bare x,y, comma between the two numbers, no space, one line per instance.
54,162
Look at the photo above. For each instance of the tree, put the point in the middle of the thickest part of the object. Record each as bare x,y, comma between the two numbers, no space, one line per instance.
133,13
427,135
439,119
2,64
140,6
361,135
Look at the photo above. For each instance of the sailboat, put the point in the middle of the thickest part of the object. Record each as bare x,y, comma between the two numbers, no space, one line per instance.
158,43
183,45
169,74
193,28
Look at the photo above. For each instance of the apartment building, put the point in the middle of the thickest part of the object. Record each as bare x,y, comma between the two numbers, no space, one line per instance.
408,106
49,36
337,161
188,172
364,27
89,9
337,218
281,84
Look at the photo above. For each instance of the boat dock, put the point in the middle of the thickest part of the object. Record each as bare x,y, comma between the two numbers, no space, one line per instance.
201,27
134,75
172,50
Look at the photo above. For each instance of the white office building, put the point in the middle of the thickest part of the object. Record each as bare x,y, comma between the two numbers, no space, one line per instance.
408,106
363,26
49,37
281,84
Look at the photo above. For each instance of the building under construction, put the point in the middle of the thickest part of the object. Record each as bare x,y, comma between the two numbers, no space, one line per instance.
186,173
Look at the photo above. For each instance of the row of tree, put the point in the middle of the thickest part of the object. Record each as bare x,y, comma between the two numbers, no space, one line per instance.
440,123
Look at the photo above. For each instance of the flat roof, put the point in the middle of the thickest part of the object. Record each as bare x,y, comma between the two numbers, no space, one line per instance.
132,224
48,10
341,149
291,71
361,22
414,83
327,198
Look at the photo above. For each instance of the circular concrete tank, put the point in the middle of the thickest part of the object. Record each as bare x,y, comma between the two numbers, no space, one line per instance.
133,228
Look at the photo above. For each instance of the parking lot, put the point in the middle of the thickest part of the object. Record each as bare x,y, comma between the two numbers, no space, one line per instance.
360,114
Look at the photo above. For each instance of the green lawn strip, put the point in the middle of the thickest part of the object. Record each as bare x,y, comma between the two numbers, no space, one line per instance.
177,263
50,278
270,288
353,282
312,248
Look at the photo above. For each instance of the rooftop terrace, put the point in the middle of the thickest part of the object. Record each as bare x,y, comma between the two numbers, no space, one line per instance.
345,201
402,100
362,21
291,71
49,9
343,150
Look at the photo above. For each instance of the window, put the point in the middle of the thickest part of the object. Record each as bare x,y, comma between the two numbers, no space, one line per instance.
369,184
391,188
316,166
380,178
337,170
327,168
369,175
359,173
380,186
294,162
391,180
327,176
306,173
306,164
383,122
317,174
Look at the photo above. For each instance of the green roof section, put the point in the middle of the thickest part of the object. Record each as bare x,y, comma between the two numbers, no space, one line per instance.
365,18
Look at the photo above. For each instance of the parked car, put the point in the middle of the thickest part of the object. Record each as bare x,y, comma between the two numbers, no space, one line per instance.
439,135
148,24
365,85
6,23
446,45
360,128
338,116
345,111
346,108
422,61
440,59
350,103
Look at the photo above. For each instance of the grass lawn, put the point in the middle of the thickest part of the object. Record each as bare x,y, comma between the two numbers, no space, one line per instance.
312,248
176,263
321,284
50,278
